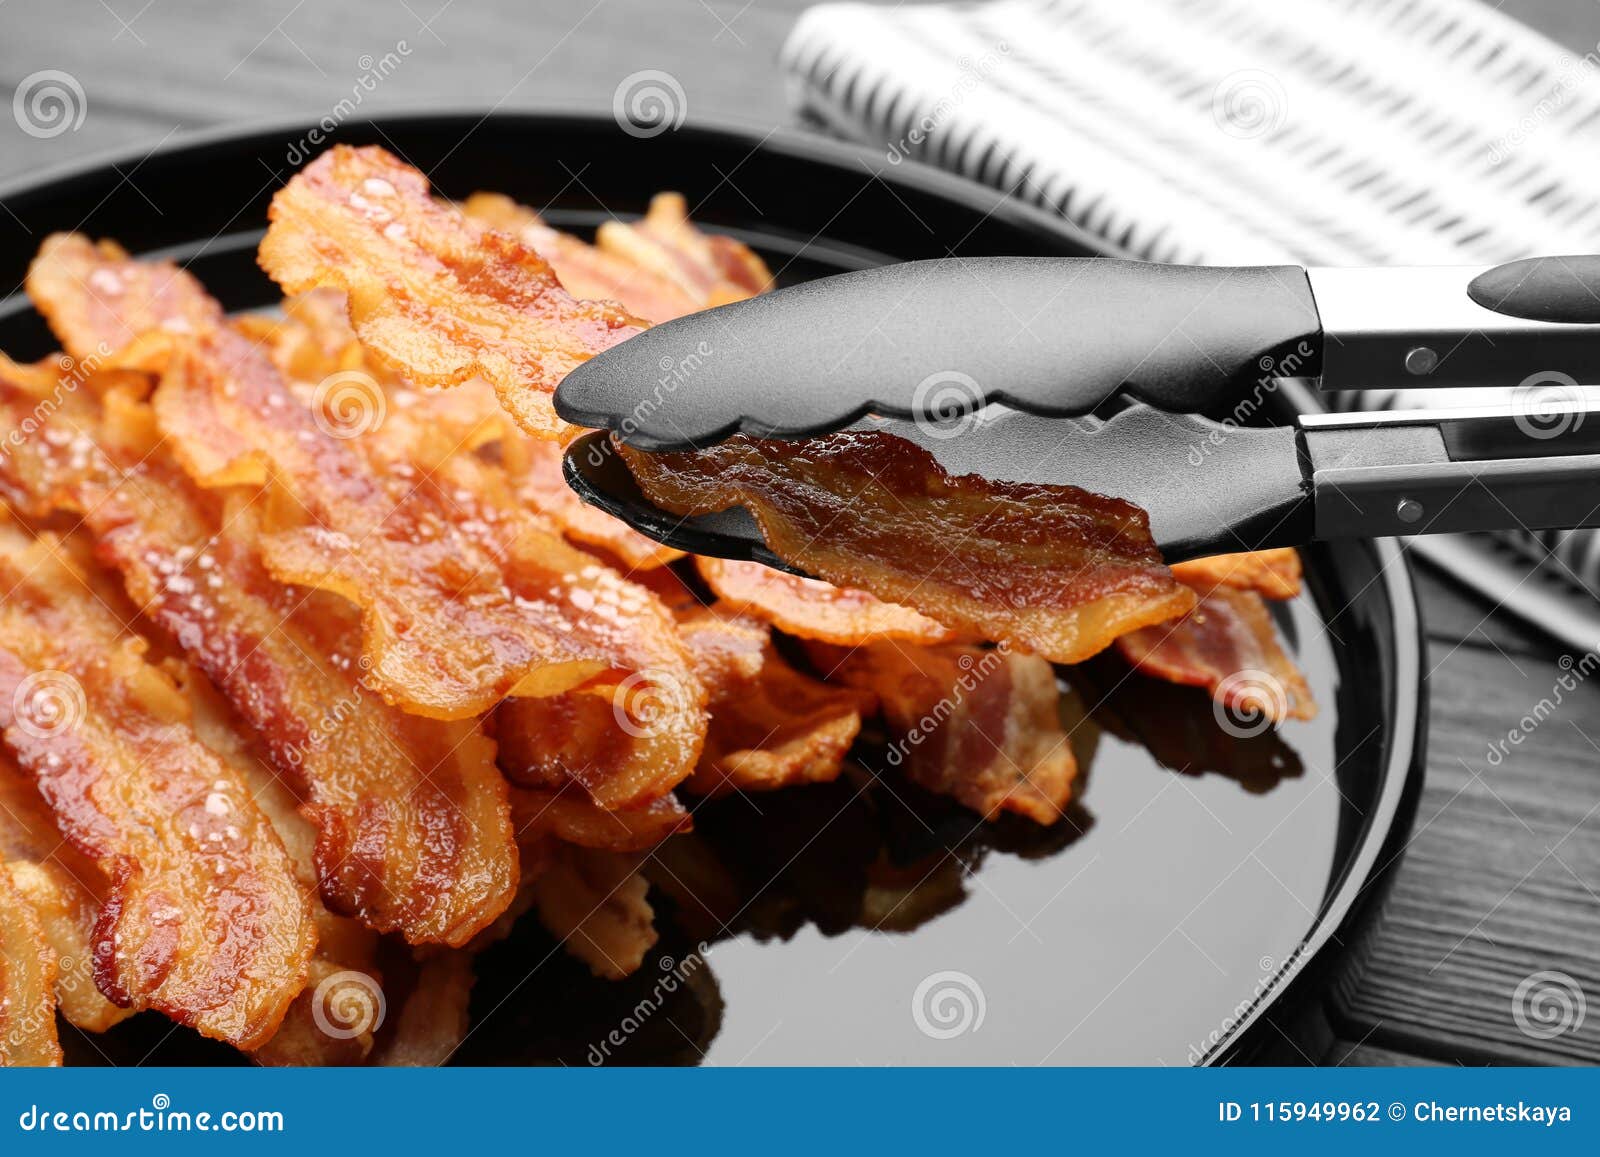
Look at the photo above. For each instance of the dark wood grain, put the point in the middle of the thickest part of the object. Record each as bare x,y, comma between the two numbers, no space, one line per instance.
1500,880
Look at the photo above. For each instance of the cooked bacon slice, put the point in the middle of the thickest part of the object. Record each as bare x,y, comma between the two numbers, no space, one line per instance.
585,270
414,826
1273,574
1053,569
625,745
27,984
711,269
595,903
432,292
568,814
982,726
1229,646
202,918
771,726
100,302
343,945
465,598
812,609
63,887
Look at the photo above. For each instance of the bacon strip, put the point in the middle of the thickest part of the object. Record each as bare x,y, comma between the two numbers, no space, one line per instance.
586,271
27,984
432,1020
1273,574
112,307
432,292
1229,646
771,726
414,826
711,269
536,467
982,726
63,889
202,919
812,609
1053,569
343,945
568,815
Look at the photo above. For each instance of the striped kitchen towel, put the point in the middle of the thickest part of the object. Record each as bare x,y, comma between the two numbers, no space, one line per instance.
1320,132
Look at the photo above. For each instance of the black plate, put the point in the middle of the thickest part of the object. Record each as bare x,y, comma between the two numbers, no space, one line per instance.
1177,916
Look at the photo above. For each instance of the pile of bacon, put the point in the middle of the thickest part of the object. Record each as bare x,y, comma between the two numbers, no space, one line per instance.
313,673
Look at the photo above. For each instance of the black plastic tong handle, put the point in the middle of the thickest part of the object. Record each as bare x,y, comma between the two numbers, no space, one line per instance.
934,339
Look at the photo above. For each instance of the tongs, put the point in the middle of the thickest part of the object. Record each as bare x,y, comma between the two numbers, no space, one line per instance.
1138,381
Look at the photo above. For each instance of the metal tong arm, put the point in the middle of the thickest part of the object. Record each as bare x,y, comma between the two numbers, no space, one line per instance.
1435,472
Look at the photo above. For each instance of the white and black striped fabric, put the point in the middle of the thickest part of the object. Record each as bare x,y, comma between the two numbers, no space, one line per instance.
1322,132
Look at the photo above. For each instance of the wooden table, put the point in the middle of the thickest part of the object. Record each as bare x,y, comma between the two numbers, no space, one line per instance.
1502,878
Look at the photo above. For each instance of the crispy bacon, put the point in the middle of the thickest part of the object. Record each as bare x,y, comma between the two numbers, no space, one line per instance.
202,918
982,726
63,887
1053,569
625,745
343,945
595,903
812,609
1227,645
432,292
465,597
27,984
568,814
1273,574
586,271
104,305
771,726
711,269
414,827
